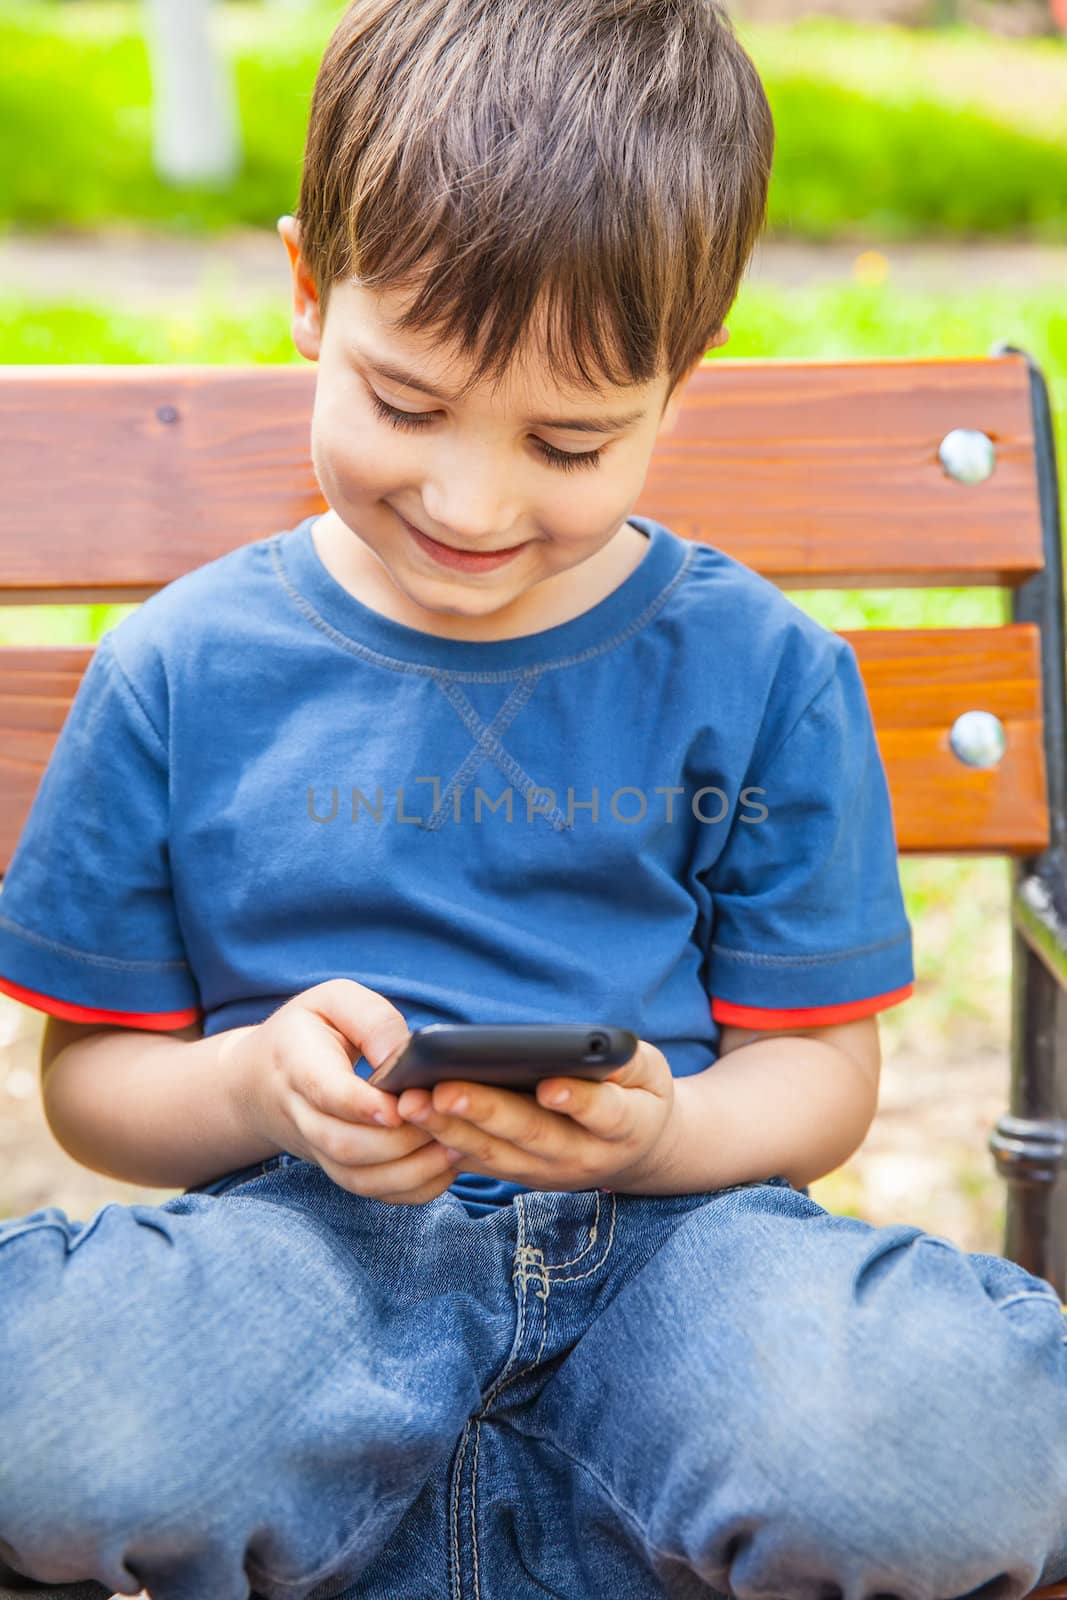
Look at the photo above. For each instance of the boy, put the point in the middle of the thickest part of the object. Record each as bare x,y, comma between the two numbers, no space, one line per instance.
413,1346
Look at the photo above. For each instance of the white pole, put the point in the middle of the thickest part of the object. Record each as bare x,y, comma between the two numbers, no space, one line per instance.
194,103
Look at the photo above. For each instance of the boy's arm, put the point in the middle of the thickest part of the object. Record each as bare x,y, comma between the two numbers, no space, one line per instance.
161,1109
788,1102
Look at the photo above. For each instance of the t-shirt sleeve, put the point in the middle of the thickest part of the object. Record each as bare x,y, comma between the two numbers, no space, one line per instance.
88,926
809,920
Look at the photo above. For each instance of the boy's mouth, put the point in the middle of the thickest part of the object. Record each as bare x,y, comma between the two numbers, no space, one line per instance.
461,560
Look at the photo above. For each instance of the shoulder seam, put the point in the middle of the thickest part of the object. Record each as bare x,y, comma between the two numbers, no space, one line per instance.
112,655
841,647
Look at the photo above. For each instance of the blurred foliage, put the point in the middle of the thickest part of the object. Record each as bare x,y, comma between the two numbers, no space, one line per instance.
881,134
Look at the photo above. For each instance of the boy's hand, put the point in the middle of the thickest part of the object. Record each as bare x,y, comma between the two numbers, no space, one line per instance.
610,1133
297,1090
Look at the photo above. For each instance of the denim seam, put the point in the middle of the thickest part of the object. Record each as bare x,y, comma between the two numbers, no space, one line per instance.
474,1507
33,1223
542,1282
625,1513
108,962
573,1261
543,1276
526,1256
530,1263
1050,1296
758,959
574,1277
634,1521
324,1571
1032,1294
521,1265
394,664
457,1479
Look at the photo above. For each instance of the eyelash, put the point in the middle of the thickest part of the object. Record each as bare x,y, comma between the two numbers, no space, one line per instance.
415,419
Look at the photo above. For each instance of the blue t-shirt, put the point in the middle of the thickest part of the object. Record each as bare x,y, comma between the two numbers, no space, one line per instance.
667,813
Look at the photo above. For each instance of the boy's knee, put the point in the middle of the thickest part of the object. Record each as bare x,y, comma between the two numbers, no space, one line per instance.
92,1459
919,1431
94,1424
887,1411
97,1473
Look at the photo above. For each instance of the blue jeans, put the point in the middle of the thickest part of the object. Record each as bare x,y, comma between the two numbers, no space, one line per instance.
274,1386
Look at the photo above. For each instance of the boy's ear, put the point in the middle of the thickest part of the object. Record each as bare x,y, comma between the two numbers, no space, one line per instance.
671,409
306,326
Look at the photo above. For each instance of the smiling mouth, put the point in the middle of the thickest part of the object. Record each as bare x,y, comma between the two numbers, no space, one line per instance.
461,550
472,556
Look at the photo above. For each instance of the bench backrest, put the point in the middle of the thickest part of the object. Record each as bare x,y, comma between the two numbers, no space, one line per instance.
818,474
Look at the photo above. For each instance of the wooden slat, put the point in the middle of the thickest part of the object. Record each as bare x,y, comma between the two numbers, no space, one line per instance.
818,474
37,685
105,498
826,474
918,682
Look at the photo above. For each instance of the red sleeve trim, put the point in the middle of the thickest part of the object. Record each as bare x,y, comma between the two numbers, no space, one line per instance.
809,1017
163,1020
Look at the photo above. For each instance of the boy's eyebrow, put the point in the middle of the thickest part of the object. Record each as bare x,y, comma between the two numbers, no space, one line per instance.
571,424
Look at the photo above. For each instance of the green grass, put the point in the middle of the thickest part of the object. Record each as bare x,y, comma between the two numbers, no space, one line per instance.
893,131
882,134
958,908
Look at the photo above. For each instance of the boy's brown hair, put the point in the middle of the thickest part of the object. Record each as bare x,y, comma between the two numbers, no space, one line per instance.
604,160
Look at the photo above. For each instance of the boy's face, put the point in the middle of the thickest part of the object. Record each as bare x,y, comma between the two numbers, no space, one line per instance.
478,476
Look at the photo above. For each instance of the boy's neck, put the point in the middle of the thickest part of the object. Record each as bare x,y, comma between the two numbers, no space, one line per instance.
556,600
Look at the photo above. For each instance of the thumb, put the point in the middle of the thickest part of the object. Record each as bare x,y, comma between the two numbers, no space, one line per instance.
370,1024
647,1068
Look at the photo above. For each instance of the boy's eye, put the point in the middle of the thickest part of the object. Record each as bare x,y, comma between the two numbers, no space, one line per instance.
420,419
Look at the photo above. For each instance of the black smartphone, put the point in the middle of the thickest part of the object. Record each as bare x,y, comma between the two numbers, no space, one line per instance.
507,1055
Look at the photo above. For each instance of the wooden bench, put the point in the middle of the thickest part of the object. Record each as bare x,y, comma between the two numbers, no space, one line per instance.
820,475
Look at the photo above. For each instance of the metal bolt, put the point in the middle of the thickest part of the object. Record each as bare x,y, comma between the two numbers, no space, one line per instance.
978,739
167,413
967,455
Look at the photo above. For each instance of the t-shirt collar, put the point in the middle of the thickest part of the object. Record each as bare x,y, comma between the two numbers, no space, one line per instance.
620,613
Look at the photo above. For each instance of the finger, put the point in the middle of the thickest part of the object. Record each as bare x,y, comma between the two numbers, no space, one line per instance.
411,1100
504,1114
647,1070
364,1017
333,1089
469,1149
410,1180
604,1109
433,1155
499,1127
365,1024
326,1079
354,1144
